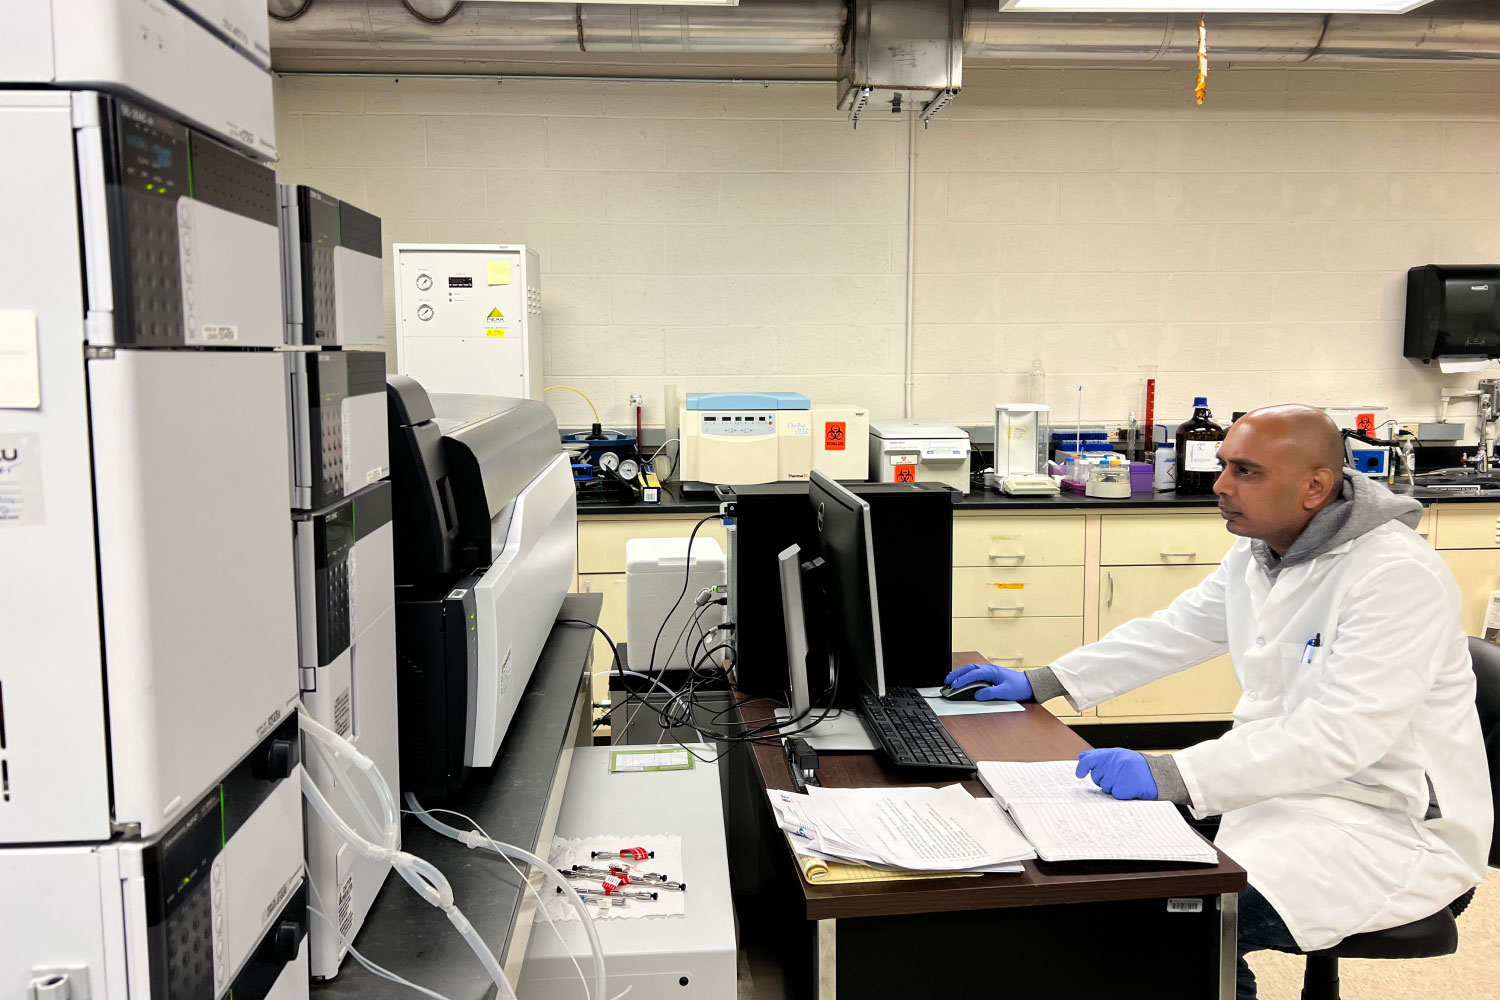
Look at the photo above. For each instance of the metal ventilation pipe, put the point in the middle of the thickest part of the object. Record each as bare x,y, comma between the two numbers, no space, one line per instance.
1446,31
373,27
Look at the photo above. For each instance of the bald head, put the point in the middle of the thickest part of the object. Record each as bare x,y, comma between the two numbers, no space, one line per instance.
1282,464
1305,434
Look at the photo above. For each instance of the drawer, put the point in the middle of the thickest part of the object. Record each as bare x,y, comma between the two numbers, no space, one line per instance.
1162,539
601,541
1468,526
1030,592
1207,689
1017,540
1022,644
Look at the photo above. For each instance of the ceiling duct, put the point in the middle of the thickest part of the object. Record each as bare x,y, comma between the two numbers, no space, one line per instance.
899,55
776,38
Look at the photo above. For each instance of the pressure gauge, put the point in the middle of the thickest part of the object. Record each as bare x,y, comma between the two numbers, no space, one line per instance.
424,312
609,461
629,469
424,282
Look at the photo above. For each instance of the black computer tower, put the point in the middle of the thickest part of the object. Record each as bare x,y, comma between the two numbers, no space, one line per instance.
912,525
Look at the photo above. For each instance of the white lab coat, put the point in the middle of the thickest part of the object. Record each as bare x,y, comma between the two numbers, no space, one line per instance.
1323,780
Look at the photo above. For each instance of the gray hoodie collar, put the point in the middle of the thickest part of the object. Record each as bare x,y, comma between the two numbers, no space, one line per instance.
1363,505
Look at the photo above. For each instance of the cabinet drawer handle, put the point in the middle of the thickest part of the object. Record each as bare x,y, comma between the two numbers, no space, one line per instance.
1110,601
1184,555
1003,659
1007,607
1020,555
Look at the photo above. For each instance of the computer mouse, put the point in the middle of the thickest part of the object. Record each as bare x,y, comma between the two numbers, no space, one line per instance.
965,693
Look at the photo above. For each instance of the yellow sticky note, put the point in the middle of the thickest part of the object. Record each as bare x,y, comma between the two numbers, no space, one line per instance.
20,369
499,272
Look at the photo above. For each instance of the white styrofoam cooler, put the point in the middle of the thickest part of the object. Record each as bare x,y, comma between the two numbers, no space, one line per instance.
654,572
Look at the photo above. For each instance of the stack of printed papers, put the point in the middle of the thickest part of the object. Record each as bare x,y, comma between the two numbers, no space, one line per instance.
916,829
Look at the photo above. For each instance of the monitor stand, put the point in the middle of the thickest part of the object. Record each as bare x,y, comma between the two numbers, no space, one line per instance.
843,729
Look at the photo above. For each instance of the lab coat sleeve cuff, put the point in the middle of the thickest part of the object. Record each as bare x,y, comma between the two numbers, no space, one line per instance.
1169,783
1196,796
1061,677
1044,684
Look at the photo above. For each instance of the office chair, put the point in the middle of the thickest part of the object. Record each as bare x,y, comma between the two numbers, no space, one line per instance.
1438,934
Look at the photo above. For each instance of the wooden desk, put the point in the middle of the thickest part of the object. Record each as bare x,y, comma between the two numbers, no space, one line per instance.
1086,901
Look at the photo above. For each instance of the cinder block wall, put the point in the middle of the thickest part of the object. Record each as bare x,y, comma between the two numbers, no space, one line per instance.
1094,222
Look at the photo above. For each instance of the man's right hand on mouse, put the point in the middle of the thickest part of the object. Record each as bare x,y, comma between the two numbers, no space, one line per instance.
1005,684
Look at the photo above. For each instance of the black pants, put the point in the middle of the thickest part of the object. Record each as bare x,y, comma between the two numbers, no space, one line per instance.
1261,929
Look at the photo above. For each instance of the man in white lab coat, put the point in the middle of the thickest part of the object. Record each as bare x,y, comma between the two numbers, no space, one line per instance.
1353,784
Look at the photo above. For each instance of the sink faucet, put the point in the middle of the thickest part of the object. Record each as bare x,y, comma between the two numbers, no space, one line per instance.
1488,394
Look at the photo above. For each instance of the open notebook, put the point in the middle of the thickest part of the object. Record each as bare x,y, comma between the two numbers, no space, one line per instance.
1071,819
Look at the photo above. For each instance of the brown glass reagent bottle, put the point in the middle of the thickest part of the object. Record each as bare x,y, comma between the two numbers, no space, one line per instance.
1198,441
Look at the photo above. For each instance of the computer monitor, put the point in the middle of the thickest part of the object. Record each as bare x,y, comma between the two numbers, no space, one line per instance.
811,712
851,606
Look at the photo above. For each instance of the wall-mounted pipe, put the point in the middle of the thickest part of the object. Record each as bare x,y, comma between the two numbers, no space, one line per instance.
1446,31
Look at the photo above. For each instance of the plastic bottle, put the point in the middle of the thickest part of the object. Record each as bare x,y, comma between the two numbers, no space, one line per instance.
1164,475
1198,441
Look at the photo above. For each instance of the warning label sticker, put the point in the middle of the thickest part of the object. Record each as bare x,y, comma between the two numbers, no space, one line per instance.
494,323
834,433
906,474
1365,423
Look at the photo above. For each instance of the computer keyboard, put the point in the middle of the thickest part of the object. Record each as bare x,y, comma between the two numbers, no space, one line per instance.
910,732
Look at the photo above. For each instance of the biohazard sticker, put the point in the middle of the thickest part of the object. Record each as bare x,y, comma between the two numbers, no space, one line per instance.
906,474
834,434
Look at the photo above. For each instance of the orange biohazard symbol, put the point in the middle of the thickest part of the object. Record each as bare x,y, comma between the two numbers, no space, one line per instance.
834,434
906,473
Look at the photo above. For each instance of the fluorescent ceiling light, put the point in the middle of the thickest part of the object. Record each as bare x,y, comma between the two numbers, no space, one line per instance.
1216,6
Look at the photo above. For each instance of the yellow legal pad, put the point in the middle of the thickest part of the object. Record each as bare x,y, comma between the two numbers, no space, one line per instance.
820,871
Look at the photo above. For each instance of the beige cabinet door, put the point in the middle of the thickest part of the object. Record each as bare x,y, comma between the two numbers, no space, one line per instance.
1127,592
1478,574
611,620
1021,643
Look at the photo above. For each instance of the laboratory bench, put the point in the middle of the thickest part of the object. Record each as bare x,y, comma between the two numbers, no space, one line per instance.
516,800
1034,577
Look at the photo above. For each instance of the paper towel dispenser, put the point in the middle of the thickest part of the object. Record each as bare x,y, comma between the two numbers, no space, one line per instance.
1453,313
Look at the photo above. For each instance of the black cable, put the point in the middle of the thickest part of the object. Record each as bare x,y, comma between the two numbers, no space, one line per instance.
668,715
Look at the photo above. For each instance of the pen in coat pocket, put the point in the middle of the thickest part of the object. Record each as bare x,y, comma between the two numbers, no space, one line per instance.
1312,644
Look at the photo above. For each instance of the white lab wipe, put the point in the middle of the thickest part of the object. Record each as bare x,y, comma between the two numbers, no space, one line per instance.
1323,781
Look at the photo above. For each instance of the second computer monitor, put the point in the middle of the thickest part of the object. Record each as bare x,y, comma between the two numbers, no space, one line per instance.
850,604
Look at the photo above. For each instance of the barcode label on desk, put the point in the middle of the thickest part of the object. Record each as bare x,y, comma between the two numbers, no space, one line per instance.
1178,904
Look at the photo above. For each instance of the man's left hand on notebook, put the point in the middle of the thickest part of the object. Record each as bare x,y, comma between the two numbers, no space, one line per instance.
1122,773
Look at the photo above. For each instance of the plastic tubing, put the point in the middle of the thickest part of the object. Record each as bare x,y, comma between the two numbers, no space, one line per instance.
474,839
422,876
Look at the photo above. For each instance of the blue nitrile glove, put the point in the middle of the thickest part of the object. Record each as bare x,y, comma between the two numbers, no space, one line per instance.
1005,683
1122,773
